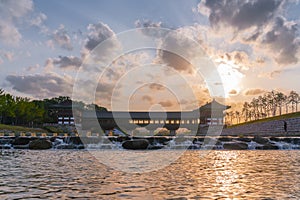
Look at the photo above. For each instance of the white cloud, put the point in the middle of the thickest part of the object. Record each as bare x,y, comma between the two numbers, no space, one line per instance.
8,55
9,34
32,68
61,38
38,21
97,34
10,13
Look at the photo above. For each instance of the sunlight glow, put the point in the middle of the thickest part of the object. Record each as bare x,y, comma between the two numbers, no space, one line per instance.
231,78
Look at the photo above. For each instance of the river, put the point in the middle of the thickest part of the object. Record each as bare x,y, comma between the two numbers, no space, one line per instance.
217,174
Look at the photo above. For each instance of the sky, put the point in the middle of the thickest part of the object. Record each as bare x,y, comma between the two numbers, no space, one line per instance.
45,47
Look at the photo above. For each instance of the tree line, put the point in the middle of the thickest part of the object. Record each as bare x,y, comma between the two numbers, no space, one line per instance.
269,104
15,110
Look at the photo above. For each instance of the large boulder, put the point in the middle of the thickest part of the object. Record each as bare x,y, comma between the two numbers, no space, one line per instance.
244,139
22,141
74,140
267,146
260,140
136,144
235,146
40,144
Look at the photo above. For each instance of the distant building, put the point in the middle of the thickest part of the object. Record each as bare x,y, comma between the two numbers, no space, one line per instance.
212,113
63,113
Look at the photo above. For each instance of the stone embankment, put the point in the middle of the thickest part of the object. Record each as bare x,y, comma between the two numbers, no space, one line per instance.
284,127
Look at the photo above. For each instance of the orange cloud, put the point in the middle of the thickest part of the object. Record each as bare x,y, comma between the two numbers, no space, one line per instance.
256,91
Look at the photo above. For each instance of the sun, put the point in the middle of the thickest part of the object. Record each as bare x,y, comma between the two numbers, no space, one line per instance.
231,78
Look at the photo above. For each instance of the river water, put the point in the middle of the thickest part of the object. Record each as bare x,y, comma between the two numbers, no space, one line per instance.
69,174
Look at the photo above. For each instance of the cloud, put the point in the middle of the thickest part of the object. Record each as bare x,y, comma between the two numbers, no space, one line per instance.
97,34
38,21
105,92
148,28
8,55
181,43
239,14
282,41
42,85
9,34
239,59
32,68
147,24
61,38
233,92
252,92
275,73
258,24
11,12
167,103
64,62
155,86
147,98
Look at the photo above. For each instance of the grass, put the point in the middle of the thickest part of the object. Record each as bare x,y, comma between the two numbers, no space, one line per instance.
280,117
4,127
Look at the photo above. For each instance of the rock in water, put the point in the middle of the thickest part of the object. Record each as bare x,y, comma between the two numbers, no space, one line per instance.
268,146
22,141
136,144
236,146
260,140
40,144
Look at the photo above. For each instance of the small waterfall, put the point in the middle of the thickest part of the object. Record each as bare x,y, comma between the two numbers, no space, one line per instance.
253,145
286,146
167,143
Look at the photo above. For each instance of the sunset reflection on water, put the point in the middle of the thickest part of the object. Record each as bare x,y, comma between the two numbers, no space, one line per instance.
216,175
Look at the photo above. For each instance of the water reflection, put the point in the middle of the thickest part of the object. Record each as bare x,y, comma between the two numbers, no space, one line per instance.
218,175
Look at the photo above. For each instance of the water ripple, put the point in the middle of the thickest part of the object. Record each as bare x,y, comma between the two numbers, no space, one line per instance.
69,174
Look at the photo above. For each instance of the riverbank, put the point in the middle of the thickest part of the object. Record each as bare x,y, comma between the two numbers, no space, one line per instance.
14,129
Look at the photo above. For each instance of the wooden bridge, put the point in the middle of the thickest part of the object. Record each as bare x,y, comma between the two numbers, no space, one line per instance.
210,114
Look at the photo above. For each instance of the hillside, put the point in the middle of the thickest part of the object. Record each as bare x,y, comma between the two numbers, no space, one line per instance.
4,127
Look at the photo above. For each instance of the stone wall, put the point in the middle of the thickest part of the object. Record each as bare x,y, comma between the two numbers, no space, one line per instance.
275,127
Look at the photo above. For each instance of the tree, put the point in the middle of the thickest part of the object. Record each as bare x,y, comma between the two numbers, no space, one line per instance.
246,111
294,100
255,105
238,116
231,116
279,100
264,101
272,106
